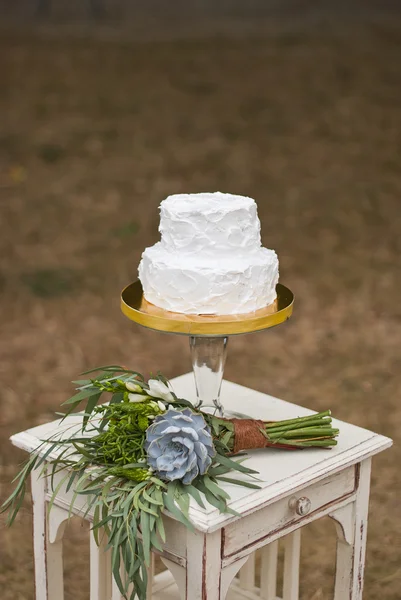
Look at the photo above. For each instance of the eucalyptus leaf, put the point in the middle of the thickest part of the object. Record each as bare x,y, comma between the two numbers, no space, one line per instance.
211,498
183,502
144,506
215,489
240,482
155,543
92,402
191,489
152,500
160,529
82,395
145,531
234,465
171,507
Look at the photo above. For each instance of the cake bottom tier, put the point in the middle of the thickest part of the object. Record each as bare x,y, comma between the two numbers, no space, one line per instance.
222,286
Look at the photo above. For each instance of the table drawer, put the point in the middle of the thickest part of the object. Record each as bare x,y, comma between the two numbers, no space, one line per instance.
288,511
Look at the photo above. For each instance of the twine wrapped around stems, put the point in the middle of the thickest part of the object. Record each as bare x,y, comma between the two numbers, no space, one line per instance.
313,430
248,436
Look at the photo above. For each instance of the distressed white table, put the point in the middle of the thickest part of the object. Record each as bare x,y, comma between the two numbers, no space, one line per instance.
296,488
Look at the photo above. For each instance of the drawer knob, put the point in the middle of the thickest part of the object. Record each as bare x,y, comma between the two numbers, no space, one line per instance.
301,505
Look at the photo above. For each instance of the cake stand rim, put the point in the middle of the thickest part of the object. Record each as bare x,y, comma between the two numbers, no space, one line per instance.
207,326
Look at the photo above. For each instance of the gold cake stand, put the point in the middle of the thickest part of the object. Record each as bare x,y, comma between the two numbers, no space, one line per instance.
208,334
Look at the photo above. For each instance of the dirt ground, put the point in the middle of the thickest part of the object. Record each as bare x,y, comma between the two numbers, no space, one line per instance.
95,134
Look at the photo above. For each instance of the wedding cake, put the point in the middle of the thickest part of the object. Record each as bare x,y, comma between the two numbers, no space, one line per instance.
210,259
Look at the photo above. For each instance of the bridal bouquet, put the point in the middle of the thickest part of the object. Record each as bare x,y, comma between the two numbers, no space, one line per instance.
148,451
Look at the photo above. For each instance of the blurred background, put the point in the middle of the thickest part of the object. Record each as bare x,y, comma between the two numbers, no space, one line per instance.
105,109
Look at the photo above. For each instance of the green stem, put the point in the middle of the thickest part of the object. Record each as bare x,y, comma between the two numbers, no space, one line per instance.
273,424
307,432
323,443
312,423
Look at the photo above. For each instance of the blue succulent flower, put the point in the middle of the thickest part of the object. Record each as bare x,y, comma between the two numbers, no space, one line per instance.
179,445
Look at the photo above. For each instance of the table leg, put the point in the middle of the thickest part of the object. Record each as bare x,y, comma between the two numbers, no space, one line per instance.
48,557
352,523
247,574
292,551
100,568
203,578
268,571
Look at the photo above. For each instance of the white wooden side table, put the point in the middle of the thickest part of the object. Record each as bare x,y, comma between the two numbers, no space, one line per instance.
296,488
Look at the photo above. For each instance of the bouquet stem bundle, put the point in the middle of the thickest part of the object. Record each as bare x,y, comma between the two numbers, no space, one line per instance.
303,432
292,434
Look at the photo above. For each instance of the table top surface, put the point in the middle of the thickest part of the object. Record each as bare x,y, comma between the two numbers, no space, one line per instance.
282,472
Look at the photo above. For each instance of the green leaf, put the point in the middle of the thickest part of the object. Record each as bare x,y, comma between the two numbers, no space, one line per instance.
83,451
152,500
56,491
215,489
17,506
220,470
231,511
218,503
116,568
226,438
95,528
247,484
234,465
117,398
215,427
160,528
183,502
71,410
146,508
103,522
116,368
57,462
133,466
92,402
105,368
155,543
159,482
92,500
195,494
145,531
171,507
22,477
82,395
107,487
127,502
44,456
138,489
158,496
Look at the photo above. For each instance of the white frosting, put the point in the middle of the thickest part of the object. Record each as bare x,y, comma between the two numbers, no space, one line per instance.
209,223
210,259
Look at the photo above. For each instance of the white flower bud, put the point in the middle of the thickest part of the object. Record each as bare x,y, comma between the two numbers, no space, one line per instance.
158,389
133,387
161,405
136,397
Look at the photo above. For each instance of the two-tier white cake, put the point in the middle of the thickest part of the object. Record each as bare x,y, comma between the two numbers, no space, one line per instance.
210,259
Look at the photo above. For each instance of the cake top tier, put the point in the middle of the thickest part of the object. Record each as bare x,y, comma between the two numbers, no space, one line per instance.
209,223
206,202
